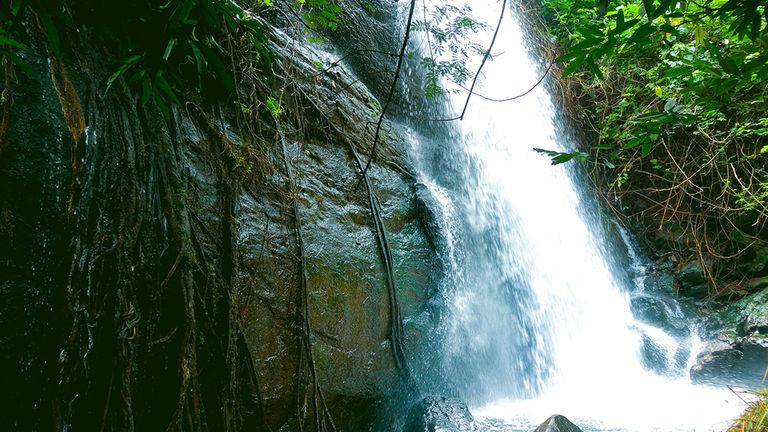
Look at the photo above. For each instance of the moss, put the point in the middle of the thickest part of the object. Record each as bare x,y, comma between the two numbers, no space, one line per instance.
399,219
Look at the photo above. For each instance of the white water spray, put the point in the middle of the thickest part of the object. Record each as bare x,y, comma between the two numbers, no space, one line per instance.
538,322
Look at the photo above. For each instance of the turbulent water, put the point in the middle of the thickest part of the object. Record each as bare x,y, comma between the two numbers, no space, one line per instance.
538,318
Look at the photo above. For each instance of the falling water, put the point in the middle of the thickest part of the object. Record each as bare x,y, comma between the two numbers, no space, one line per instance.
537,320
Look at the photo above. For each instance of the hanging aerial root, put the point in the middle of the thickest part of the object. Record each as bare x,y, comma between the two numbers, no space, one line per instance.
395,318
396,332
323,418
392,89
72,110
68,99
7,103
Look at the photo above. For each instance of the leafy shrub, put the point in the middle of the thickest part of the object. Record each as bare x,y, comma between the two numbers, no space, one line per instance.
677,103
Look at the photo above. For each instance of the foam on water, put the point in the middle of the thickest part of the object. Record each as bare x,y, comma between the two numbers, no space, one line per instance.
537,322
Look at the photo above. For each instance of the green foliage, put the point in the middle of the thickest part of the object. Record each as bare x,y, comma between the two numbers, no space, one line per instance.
677,91
190,51
273,106
562,157
320,14
9,23
448,30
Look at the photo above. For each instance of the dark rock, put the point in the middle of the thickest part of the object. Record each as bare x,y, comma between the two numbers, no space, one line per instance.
749,316
654,357
662,279
439,414
692,279
660,312
672,236
756,263
738,362
557,423
756,284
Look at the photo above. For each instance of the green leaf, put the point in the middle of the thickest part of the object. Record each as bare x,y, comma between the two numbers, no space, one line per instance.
569,55
574,65
146,91
15,7
648,7
127,64
641,34
595,69
51,34
169,48
676,72
562,157
163,85
11,42
199,58
699,34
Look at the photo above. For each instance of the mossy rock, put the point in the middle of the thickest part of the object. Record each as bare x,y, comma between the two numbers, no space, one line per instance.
749,315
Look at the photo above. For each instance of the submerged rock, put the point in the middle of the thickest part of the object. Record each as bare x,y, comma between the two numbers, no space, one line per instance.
439,414
557,423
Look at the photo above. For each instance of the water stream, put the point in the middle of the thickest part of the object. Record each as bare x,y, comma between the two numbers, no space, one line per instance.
537,301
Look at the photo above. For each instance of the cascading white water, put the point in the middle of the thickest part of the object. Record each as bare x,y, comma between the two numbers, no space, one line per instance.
537,322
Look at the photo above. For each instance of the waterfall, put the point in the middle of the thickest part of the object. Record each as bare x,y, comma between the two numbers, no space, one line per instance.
537,316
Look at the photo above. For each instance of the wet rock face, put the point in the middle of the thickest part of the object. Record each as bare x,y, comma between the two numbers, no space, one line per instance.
692,280
749,316
557,423
348,304
739,362
662,312
739,354
439,414
347,295
34,176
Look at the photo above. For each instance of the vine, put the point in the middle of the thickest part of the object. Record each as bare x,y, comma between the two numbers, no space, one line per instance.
323,419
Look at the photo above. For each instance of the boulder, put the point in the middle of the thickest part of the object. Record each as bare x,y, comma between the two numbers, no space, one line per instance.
439,414
756,284
737,362
755,263
749,316
557,423
692,280
661,312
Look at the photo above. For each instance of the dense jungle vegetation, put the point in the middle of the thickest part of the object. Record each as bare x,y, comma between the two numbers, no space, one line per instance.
676,98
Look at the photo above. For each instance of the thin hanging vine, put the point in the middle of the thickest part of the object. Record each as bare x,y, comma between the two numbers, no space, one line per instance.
323,419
